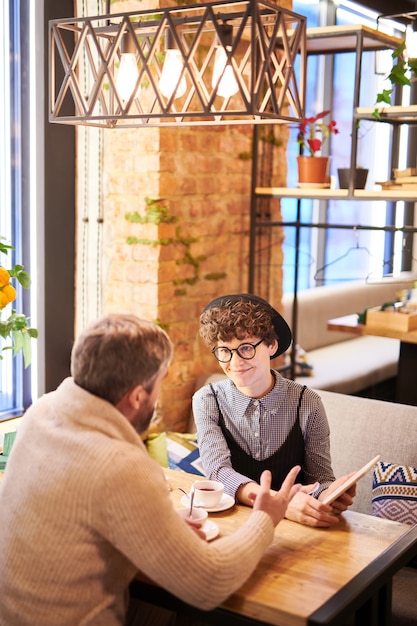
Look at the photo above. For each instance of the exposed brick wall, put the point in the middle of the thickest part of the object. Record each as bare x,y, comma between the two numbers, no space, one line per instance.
202,181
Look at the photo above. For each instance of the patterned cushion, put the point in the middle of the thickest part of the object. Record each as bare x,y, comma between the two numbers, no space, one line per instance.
176,451
394,492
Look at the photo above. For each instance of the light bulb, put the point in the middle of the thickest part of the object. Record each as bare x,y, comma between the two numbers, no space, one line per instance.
227,86
127,76
170,76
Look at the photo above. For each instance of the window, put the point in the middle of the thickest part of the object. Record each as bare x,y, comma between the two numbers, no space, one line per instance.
15,382
324,253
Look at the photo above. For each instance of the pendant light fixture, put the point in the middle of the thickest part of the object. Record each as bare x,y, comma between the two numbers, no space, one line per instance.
234,63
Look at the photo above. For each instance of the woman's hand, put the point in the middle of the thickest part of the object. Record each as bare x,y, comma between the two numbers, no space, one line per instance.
307,510
304,508
345,499
312,512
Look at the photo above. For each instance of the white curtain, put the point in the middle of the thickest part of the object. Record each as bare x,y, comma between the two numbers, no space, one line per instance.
89,213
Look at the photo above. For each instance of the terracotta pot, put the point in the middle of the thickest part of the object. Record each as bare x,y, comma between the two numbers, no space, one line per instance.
313,170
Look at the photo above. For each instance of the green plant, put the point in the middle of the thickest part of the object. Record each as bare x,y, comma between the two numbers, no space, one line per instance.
312,132
403,72
16,327
157,212
267,136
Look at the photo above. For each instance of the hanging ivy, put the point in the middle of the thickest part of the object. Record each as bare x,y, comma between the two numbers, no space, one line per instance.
157,212
403,73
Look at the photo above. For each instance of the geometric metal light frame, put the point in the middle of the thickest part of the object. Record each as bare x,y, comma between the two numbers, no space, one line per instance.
267,43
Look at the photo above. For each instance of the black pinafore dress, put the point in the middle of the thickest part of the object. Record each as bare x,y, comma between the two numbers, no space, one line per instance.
289,454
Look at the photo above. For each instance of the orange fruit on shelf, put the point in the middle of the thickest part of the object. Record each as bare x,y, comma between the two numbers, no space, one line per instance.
3,300
4,277
10,292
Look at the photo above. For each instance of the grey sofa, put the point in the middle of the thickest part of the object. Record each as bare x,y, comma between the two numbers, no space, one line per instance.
360,428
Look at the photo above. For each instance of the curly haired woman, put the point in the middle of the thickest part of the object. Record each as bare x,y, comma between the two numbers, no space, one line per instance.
256,419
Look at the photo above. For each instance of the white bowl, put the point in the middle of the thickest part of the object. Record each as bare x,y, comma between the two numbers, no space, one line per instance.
198,515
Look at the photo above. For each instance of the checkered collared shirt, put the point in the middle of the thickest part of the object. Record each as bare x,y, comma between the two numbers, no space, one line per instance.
260,427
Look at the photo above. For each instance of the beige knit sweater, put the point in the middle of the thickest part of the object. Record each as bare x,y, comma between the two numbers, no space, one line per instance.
83,507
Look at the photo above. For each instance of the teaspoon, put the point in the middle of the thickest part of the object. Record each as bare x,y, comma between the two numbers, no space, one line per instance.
192,492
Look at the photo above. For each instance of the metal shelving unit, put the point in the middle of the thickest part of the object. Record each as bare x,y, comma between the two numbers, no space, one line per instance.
329,41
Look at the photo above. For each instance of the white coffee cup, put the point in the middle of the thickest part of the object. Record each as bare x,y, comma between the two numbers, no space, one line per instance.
208,493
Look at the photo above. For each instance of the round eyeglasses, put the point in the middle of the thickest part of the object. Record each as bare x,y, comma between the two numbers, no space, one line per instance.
245,351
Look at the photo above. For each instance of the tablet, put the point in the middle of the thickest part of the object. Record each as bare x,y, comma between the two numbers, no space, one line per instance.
351,481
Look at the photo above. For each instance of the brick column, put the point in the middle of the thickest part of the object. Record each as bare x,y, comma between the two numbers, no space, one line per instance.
189,189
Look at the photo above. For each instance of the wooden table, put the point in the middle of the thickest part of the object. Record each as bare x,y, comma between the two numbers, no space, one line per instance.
406,390
307,577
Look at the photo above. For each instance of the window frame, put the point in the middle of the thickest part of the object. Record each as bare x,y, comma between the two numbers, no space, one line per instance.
314,242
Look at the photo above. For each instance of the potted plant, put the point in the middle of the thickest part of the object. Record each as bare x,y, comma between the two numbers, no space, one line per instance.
313,169
16,327
360,177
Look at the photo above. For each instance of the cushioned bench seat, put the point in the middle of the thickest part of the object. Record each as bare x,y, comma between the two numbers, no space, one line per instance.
354,365
343,362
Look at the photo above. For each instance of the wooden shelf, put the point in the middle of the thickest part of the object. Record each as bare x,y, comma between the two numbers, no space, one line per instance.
337,194
399,114
334,39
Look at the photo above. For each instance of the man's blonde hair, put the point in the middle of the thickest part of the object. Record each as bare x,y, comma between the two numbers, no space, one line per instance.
118,352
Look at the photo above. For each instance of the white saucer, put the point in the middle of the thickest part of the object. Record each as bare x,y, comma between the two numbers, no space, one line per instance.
225,503
211,529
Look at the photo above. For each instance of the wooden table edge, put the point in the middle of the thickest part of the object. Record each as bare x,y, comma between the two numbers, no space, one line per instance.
220,616
374,580
376,576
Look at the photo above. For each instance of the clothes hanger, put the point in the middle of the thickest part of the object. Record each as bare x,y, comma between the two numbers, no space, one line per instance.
401,277
320,273
304,258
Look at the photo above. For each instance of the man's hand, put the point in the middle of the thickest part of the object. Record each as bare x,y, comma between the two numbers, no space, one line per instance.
197,527
275,503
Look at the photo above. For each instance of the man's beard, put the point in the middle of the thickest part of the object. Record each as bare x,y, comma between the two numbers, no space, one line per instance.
140,423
